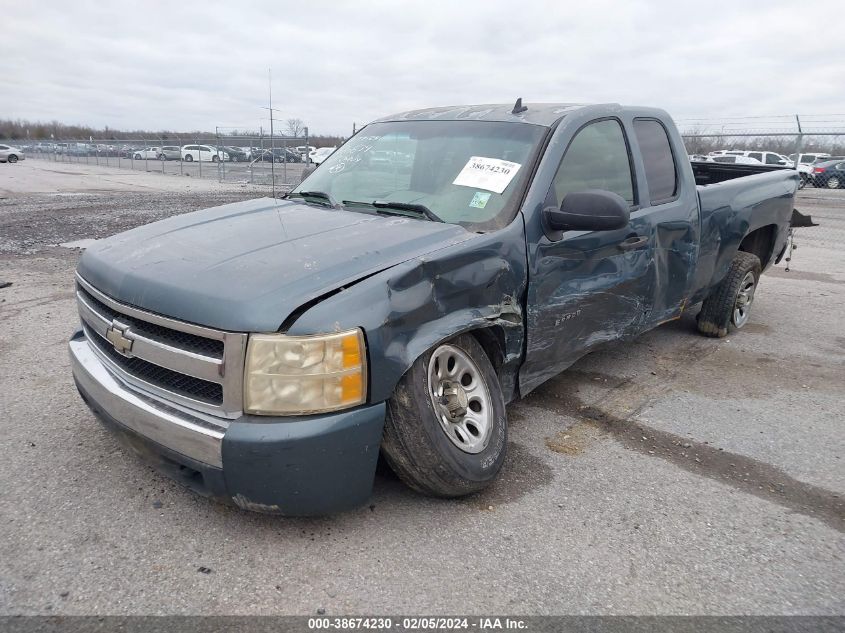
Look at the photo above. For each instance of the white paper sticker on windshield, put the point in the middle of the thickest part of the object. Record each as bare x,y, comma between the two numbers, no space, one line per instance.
491,174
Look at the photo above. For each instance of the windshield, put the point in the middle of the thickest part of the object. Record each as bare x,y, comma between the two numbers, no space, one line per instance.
470,173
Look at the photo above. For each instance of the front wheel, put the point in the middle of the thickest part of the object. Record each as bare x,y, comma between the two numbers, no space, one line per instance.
162,157
189,159
137,157
446,430
833,182
12,158
214,159
729,303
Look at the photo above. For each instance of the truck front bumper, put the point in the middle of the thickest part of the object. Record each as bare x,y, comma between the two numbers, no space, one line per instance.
294,466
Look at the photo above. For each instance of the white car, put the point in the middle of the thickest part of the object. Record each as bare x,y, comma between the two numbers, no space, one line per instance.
150,153
9,154
304,150
805,164
321,154
734,159
764,157
204,153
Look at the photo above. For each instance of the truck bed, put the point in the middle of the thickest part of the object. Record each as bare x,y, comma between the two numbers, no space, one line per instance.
735,201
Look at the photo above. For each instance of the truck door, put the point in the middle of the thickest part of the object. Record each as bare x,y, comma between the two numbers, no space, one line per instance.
588,287
671,204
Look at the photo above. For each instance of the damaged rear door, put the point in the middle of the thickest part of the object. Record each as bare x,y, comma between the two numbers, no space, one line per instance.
588,287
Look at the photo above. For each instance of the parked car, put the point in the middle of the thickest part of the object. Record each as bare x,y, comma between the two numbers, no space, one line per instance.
805,165
147,153
321,154
268,351
170,152
10,154
767,158
829,173
731,158
236,155
276,154
204,153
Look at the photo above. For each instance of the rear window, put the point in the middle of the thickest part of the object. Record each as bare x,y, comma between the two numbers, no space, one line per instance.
660,171
756,156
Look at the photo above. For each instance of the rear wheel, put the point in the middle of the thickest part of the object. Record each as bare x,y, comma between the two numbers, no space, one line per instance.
214,159
446,430
162,157
189,158
137,157
729,303
833,182
12,158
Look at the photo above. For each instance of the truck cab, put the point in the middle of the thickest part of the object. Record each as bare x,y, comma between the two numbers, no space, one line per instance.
438,265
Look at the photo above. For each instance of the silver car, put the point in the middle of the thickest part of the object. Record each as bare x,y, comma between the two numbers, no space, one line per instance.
9,154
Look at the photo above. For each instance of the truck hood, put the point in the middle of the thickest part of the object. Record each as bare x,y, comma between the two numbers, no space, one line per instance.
247,266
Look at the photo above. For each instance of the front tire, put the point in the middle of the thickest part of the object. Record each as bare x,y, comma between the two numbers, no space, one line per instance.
137,157
445,433
189,159
833,182
162,157
12,158
728,305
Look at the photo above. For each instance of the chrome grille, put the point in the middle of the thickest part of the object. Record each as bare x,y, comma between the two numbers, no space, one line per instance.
180,362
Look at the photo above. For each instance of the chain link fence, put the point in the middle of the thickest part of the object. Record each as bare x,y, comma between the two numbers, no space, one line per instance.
254,159
808,143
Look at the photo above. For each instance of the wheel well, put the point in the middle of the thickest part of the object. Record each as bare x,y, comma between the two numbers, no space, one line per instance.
760,242
492,340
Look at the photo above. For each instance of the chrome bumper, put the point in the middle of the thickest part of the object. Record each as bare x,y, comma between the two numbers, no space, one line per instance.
196,436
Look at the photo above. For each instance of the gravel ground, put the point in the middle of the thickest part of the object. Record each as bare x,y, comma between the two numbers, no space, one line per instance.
675,474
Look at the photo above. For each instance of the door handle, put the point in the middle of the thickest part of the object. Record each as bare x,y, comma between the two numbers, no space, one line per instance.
637,241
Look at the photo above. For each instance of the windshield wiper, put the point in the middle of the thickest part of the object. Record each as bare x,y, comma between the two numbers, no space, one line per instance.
314,194
419,209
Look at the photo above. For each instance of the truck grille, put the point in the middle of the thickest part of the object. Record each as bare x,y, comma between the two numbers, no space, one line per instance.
178,361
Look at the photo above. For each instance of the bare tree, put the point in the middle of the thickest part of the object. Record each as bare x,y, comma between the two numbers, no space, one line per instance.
295,127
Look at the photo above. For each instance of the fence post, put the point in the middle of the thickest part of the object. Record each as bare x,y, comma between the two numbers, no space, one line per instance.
799,142
221,158
199,155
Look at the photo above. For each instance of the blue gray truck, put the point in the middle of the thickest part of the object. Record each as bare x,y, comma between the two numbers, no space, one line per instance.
438,265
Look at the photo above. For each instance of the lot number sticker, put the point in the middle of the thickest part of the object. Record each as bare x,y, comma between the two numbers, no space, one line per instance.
491,174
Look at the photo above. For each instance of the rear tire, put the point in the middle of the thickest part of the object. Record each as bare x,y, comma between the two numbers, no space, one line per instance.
445,433
214,159
189,159
833,182
137,157
12,158
162,157
728,304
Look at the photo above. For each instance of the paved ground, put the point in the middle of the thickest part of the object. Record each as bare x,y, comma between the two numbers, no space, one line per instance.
676,474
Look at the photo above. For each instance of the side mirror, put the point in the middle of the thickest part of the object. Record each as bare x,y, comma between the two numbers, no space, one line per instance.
593,210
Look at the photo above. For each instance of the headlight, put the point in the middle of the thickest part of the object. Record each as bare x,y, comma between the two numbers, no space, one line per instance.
286,375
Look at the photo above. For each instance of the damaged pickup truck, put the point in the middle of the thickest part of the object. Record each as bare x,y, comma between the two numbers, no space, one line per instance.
440,264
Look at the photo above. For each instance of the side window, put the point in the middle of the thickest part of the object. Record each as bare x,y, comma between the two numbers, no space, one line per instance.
772,159
660,171
756,156
597,158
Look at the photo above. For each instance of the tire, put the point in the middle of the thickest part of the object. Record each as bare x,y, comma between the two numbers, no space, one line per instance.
137,157
833,182
162,157
416,442
12,158
189,158
802,182
728,304
214,159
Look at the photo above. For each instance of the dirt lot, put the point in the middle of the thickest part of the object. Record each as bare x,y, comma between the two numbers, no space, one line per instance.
675,474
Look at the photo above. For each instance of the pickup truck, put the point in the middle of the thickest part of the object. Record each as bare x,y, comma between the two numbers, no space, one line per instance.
266,352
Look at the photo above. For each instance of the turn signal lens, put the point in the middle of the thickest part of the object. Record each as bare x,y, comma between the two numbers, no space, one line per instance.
288,375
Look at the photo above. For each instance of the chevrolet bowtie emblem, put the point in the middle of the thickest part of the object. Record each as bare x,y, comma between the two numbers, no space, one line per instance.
116,334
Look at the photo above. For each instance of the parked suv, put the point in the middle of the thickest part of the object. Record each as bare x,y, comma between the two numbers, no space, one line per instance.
204,153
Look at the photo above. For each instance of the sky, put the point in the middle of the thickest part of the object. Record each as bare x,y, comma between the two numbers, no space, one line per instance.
185,66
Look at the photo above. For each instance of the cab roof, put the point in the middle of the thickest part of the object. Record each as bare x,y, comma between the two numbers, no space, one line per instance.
545,114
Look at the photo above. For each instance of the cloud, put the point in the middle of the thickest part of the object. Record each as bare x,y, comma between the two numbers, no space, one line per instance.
196,65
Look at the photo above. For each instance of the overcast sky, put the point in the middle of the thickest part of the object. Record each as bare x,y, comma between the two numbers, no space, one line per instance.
188,65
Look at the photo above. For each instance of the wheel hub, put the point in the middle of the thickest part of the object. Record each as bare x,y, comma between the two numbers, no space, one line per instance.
454,399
